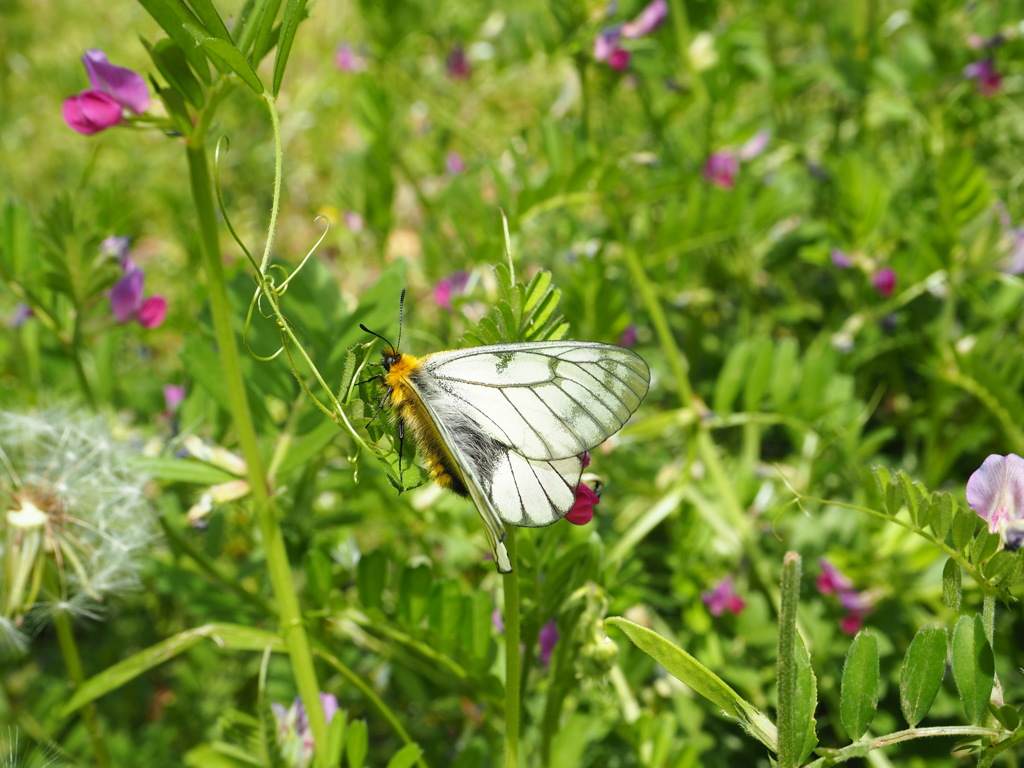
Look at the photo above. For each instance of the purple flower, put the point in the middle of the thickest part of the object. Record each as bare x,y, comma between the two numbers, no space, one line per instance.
293,733
20,315
126,87
457,65
723,597
1013,264
840,259
497,622
126,302
996,493
650,19
606,48
115,247
448,288
347,60
114,89
546,640
628,337
721,169
831,579
454,164
884,281
989,80
582,511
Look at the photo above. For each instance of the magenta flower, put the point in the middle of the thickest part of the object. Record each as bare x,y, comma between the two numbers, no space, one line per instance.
582,511
497,622
721,169
628,337
650,19
354,221
173,395
884,281
114,89
457,65
996,493
448,288
856,604
546,640
606,48
91,112
454,164
723,597
347,60
127,303
989,80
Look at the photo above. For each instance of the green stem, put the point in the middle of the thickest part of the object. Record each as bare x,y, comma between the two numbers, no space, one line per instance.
857,749
279,570
73,662
789,748
510,584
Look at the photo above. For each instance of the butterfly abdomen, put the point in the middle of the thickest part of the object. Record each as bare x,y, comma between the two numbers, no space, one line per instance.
406,403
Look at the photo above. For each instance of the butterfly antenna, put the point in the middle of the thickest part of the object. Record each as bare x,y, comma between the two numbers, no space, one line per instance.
401,311
374,333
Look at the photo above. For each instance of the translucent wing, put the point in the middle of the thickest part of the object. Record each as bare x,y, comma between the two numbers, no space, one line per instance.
543,400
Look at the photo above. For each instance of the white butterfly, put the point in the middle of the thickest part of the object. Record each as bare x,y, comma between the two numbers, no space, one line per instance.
508,424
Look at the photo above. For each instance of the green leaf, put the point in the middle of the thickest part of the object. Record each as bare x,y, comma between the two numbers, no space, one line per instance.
371,574
538,289
964,524
759,373
702,680
1007,715
357,744
731,378
973,667
797,697
181,470
922,672
784,371
406,756
1000,566
912,497
211,19
294,12
413,591
952,589
984,547
227,57
170,61
889,490
336,737
858,696
230,636
172,16
806,701
943,508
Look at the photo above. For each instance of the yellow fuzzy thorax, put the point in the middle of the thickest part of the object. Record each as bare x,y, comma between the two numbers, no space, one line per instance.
404,400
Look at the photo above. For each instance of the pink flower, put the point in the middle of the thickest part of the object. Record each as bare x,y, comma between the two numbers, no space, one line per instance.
497,622
127,303
114,89
884,281
293,732
851,623
582,511
457,64
173,395
723,597
454,164
857,604
650,19
546,641
21,315
721,169
754,146
996,493
91,112
448,288
347,60
989,80
831,579
354,221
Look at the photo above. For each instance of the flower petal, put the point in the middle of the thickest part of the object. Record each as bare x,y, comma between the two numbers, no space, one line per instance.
582,511
996,490
126,296
91,112
153,311
650,19
128,88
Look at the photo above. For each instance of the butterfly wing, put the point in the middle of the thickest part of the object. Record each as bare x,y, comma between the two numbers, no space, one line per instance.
542,400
